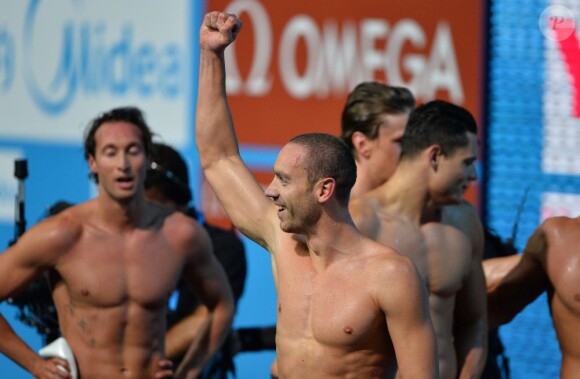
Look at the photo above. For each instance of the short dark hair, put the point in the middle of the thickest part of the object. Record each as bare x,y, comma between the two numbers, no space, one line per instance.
328,157
440,123
132,115
366,103
168,173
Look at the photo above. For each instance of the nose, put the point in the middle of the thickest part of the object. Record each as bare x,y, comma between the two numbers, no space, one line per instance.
123,162
472,175
271,191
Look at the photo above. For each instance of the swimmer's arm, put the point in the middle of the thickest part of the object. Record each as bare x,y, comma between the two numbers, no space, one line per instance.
35,251
406,308
522,284
470,316
496,269
179,338
236,188
210,284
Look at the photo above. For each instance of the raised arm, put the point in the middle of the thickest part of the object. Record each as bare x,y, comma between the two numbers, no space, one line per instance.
240,194
522,284
37,250
210,284
406,307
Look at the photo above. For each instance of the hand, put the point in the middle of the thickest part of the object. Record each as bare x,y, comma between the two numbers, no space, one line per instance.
52,368
218,30
165,369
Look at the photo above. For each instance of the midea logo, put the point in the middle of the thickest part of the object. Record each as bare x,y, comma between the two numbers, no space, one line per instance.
94,63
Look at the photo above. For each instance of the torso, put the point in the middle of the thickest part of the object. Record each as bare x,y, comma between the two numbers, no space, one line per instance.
111,295
328,324
563,268
442,255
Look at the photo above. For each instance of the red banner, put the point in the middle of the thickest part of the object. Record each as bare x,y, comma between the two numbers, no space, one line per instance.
294,63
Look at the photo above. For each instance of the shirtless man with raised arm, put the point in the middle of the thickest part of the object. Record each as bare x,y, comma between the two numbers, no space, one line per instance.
348,306
439,149
114,261
550,262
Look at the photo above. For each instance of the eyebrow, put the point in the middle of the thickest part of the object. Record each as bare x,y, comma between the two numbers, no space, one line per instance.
128,146
281,175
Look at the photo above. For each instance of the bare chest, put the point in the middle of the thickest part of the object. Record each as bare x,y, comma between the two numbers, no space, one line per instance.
331,308
449,256
563,267
106,271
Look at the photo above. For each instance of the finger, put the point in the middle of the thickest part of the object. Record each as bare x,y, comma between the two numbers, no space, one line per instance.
164,374
214,19
209,20
61,362
165,363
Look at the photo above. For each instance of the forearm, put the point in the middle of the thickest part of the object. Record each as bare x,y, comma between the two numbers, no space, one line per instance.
16,349
212,333
471,348
518,288
181,336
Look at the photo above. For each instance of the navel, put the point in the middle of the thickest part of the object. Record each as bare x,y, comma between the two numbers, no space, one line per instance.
85,292
347,330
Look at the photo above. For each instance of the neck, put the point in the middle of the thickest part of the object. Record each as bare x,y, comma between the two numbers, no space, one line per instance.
365,181
121,215
406,193
332,238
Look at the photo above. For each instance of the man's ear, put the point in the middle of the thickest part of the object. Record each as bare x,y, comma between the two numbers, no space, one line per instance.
434,155
92,164
361,145
325,189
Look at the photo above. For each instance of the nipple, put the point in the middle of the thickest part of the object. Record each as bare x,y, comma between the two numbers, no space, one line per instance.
85,292
347,330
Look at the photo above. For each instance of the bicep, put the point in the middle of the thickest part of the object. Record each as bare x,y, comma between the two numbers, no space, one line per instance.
407,313
27,259
204,272
243,199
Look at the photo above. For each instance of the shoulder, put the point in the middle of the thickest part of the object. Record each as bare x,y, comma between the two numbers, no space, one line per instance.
561,222
463,215
388,264
363,211
392,278
557,230
180,227
53,237
64,228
